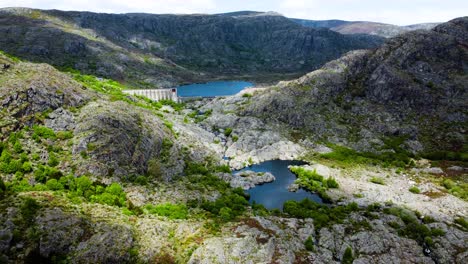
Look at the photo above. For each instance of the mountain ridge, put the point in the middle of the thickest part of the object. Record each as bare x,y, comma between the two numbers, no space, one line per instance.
157,49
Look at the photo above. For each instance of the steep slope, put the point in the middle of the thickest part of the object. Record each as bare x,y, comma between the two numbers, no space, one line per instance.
414,87
363,27
167,49
379,29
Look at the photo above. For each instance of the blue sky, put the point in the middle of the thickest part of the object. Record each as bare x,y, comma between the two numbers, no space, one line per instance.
400,12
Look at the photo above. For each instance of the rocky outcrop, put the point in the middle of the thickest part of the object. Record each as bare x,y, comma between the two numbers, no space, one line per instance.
30,89
247,179
263,240
414,86
121,140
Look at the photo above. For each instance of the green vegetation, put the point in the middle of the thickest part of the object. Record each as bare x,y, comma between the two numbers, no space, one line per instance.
348,257
313,181
446,155
235,138
392,155
228,131
462,222
414,189
377,180
28,209
12,158
231,204
200,116
171,211
11,57
458,189
247,95
43,132
323,215
413,228
309,244
62,135
115,91
227,207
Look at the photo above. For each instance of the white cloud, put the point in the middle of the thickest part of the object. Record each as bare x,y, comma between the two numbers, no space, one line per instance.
399,12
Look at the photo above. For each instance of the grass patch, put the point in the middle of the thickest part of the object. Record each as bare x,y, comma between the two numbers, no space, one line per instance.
171,211
377,180
415,190
458,189
313,181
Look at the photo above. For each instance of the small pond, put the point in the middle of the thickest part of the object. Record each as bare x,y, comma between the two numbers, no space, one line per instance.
273,195
210,89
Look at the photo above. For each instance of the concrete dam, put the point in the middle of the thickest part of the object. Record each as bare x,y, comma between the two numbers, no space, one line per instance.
156,94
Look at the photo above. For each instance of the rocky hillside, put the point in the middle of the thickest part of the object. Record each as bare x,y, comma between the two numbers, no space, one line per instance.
146,49
89,174
363,27
413,88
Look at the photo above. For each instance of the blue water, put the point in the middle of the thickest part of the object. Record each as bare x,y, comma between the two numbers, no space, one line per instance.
273,195
218,88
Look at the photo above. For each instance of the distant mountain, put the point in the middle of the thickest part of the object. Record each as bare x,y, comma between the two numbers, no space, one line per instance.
164,50
363,27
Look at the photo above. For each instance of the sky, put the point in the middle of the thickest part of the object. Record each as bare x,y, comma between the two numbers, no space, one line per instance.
398,12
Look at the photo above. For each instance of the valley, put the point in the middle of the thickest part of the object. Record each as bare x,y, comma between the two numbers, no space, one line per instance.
372,133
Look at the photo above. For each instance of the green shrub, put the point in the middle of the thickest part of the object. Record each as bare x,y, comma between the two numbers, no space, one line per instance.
226,214
154,169
62,135
53,161
141,180
112,195
309,244
323,215
235,138
457,189
54,185
348,257
43,173
230,205
377,180
28,209
166,147
2,185
223,168
331,183
314,182
195,168
247,95
437,232
462,222
228,131
43,132
172,211
448,184
17,147
6,156
415,190
26,167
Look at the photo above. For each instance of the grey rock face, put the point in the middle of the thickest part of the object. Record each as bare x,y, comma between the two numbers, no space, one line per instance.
248,179
60,232
111,244
215,44
60,120
121,140
412,86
